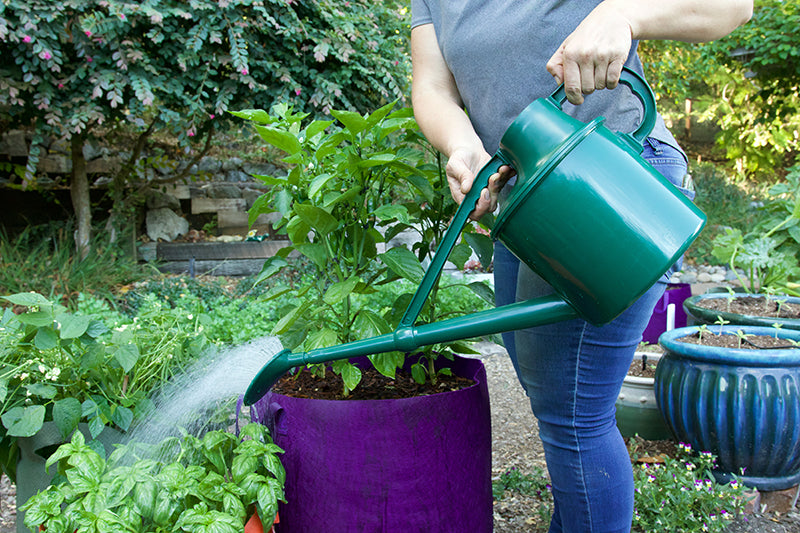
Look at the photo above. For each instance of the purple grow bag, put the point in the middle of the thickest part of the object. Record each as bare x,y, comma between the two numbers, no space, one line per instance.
676,293
388,466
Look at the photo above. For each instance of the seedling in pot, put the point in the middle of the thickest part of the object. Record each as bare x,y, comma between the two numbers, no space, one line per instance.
721,322
702,330
742,336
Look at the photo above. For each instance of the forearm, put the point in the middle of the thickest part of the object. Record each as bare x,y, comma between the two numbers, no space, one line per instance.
443,121
682,20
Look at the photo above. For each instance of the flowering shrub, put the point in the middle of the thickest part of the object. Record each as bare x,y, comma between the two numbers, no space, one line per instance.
68,68
680,494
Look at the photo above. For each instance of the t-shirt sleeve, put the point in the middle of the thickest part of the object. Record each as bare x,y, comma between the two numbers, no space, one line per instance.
420,13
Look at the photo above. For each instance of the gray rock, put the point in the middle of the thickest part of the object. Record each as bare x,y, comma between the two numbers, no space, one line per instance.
260,169
209,164
250,196
160,200
233,163
165,224
222,190
236,176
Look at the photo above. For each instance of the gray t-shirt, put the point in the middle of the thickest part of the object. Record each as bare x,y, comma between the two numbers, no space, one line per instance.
497,51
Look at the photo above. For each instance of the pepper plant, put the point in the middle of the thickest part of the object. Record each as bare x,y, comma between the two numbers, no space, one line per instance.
354,183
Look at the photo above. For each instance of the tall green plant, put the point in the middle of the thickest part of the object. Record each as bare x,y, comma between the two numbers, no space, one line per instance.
350,179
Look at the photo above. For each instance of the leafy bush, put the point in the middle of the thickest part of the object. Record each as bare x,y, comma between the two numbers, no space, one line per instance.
70,368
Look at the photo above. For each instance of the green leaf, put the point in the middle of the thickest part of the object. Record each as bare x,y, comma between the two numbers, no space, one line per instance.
316,252
393,212
42,390
404,263
127,355
369,324
321,339
418,373
3,390
256,115
272,266
290,318
73,326
38,319
483,247
46,338
339,291
24,421
460,255
317,127
28,299
283,140
317,218
67,415
318,183
483,291
388,363
353,122
122,417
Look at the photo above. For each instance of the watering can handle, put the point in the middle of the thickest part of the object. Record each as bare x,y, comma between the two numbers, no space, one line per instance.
638,87
450,238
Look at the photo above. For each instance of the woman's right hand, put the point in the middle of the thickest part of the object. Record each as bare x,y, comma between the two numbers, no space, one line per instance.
462,167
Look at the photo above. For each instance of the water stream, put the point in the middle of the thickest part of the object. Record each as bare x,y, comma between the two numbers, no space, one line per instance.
214,381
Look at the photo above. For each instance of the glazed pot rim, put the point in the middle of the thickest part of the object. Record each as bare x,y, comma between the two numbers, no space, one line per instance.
732,356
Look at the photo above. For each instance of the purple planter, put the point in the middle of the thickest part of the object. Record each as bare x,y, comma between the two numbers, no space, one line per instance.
389,466
676,293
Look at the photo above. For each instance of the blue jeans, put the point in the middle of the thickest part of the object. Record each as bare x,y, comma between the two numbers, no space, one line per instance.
572,371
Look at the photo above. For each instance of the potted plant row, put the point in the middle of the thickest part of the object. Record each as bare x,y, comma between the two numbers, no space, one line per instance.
354,461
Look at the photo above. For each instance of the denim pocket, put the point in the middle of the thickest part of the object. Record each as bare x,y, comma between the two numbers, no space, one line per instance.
670,162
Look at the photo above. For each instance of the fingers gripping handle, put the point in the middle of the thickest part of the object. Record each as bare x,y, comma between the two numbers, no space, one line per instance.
450,239
640,89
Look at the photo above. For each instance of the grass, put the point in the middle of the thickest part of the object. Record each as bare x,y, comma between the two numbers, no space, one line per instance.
43,259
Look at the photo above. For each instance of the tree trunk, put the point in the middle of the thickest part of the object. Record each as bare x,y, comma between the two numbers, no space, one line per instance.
79,191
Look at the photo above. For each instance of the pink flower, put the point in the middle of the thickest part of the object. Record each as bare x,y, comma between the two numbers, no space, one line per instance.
46,55
297,92
244,72
190,133
88,59
26,39
122,16
60,85
211,116
88,33
396,63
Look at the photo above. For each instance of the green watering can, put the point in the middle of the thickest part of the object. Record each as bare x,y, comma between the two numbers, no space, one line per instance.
587,214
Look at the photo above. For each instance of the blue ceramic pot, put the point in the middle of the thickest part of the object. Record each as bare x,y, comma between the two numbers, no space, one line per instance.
702,315
741,405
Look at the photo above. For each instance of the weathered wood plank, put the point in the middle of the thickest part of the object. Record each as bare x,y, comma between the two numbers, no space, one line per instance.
219,250
214,205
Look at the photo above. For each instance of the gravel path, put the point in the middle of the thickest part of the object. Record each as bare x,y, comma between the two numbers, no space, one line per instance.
515,444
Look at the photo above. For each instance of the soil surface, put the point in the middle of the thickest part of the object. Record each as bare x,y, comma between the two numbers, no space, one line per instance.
373,386
752,306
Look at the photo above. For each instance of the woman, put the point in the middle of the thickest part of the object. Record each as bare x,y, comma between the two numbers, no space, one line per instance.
476,65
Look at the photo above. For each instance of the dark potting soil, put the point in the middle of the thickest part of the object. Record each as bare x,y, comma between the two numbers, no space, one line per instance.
749,342
752,306
373,386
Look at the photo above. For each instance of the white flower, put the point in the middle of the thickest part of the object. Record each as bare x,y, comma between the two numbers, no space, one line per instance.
42,369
